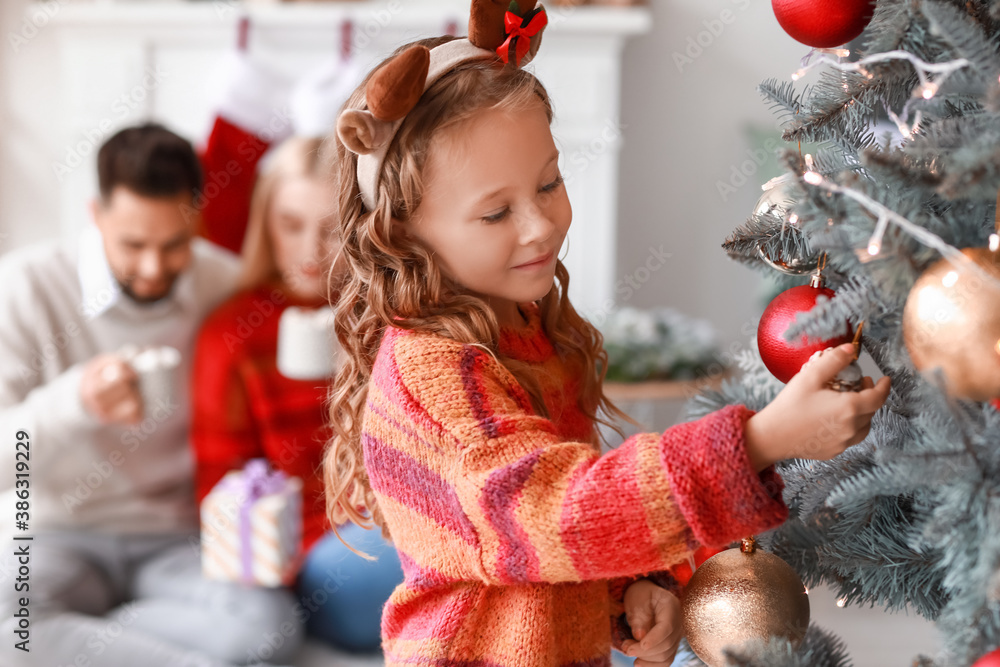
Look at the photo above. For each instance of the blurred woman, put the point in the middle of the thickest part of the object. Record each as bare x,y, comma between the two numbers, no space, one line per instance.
245,409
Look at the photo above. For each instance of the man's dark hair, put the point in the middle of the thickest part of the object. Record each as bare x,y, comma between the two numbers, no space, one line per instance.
149,160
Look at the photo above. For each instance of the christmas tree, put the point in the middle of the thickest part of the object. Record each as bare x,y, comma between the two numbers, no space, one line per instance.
911,517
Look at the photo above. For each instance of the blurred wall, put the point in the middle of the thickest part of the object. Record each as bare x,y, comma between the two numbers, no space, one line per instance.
689,96
28,90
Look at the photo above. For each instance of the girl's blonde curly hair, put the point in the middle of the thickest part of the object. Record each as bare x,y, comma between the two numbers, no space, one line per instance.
394,279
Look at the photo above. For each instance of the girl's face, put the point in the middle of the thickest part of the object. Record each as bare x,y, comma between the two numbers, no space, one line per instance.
494,210
300,222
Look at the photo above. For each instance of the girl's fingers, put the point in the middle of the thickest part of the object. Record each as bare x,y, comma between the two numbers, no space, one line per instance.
870,400
823,368
658,636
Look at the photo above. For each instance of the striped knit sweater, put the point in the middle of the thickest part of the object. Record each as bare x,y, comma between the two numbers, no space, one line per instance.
517,537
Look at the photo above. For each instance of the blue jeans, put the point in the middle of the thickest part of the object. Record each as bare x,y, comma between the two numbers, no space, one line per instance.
345,593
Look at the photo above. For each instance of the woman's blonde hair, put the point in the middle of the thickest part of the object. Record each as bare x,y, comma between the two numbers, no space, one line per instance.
394,279
296,157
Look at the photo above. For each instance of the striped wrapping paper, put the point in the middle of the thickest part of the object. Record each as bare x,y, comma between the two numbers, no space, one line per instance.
274,527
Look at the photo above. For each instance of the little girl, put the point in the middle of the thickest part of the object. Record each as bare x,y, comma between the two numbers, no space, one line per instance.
465,415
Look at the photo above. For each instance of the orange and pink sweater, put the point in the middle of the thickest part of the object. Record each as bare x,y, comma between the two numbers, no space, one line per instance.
517,537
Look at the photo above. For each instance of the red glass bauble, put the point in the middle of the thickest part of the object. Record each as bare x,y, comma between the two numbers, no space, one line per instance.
823,23
784,358
991,659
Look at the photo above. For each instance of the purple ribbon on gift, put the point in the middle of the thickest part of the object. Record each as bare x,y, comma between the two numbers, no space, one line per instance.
253,483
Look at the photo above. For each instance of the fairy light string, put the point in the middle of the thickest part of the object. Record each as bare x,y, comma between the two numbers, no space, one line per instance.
931,75
887,216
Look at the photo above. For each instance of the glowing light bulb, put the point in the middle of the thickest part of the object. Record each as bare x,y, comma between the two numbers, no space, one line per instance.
842,602
874,247
928,90
793,219
812,177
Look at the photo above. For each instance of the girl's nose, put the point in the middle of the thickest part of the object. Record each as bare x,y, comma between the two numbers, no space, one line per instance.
535,226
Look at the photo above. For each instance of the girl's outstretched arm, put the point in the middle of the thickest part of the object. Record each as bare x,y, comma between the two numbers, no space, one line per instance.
509,501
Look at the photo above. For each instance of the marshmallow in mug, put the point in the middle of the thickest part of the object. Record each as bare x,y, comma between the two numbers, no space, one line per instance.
306,344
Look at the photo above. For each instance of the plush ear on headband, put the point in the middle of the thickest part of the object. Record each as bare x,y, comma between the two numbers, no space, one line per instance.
390,93
361,132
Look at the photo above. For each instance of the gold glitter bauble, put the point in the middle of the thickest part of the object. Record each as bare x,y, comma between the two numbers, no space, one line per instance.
741,595
952,322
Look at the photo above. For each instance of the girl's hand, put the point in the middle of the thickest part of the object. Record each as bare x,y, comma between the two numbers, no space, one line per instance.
810,421
654,616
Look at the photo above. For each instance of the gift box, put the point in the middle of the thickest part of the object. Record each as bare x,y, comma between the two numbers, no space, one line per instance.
251,527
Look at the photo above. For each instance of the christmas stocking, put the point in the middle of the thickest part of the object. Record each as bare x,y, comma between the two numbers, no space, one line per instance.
319,95
251,105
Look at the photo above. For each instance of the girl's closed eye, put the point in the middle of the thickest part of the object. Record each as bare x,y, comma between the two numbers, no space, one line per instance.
554,184
496,217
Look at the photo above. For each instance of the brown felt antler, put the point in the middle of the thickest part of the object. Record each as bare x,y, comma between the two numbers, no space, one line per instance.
394,90
486,21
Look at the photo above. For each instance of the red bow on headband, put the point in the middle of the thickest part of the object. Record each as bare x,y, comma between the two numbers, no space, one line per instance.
520,35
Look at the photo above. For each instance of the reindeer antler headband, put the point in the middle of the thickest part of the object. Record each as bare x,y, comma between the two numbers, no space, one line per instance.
497,31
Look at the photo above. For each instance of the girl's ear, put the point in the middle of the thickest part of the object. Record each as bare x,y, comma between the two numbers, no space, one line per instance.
361,132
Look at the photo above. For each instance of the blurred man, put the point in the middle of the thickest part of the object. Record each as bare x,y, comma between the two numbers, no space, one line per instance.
113,570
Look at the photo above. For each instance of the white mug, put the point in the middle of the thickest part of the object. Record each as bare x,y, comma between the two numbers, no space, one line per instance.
157,371
307,348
